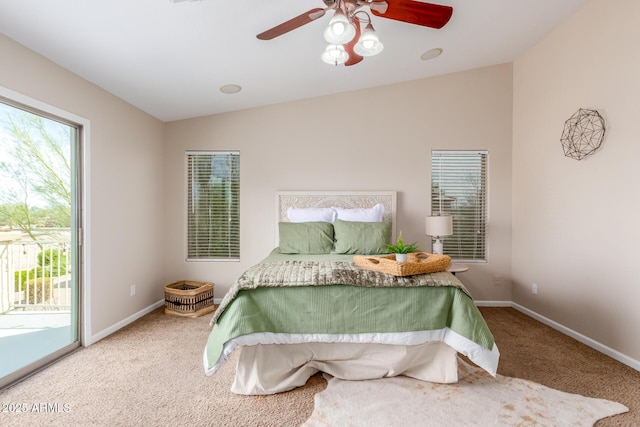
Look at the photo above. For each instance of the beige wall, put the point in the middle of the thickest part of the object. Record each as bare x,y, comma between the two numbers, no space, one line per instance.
371,139
555,230
548,223
575,227
377,139
126,198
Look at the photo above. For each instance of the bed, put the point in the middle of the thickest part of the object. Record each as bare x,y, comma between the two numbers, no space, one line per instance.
307,307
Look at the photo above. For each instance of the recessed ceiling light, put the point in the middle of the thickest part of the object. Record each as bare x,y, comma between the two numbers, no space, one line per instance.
431,53
230,89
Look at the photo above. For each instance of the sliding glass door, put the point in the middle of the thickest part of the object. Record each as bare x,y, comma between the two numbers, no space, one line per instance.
39,235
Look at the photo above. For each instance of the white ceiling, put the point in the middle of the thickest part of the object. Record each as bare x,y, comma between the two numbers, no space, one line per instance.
170,59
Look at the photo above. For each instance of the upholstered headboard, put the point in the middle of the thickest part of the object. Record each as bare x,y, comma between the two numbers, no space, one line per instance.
339,199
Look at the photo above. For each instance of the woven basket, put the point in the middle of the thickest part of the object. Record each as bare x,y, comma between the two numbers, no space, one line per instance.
417,263
188,299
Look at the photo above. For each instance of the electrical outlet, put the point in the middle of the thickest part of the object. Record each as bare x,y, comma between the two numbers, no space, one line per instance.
497,281
534,289
133,290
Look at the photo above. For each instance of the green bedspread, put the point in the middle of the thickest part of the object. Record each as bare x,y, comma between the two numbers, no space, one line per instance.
333,300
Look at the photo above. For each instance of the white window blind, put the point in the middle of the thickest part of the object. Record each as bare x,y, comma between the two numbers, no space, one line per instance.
459,189
213,205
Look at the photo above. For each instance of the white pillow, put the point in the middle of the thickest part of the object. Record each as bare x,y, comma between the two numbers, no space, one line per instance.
311,214
373,214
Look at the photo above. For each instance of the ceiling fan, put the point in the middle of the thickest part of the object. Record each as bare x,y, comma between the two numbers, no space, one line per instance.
347,42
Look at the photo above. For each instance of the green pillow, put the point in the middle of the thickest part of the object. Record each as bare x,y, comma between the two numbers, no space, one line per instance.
365,238
306,237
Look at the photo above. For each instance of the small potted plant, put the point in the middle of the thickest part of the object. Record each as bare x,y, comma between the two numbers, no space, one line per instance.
401,250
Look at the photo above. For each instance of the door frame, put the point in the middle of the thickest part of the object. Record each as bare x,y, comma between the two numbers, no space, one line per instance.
82,214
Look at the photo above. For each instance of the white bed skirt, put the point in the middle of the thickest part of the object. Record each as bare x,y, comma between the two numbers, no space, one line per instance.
274,368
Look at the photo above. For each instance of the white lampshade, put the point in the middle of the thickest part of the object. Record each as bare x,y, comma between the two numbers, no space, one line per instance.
340,30
368,44
335,54
439,226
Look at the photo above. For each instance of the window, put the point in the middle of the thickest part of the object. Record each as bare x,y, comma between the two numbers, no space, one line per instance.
459,189
213,205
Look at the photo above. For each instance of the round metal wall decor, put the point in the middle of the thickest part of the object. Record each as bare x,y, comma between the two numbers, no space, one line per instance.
583,134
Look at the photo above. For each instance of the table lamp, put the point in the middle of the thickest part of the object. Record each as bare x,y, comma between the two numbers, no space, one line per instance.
438,227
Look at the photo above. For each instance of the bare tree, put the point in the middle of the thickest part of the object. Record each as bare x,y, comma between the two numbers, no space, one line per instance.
35,170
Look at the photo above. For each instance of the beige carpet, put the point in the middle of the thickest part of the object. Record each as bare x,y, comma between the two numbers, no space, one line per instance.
477,399
150,374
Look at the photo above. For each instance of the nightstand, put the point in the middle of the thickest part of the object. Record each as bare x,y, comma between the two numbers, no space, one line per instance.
457,268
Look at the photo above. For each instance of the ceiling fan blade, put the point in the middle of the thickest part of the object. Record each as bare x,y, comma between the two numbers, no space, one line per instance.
292,24
415,12
354,58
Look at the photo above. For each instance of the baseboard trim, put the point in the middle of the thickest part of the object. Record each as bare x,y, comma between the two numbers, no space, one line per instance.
614,354
106,332
493,303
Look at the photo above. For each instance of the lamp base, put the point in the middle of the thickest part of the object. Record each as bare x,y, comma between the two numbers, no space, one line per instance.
437,247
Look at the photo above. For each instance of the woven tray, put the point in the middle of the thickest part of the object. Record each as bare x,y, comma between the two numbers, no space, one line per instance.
417,263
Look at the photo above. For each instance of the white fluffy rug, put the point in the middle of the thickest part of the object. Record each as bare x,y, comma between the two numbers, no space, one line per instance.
476,399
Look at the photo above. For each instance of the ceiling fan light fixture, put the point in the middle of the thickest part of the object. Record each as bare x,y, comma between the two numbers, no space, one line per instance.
334,54
340,30
369,44
351,27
